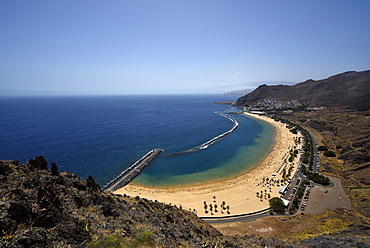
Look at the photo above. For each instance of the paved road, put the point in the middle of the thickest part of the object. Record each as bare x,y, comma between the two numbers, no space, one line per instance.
316,157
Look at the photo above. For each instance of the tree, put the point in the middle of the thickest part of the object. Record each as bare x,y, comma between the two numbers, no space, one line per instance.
284,173
306,182
329,154
322,148
277,205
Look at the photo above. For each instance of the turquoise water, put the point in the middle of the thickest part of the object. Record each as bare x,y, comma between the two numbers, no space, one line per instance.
231,156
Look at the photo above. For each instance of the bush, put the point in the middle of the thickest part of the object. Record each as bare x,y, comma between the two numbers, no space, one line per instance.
317,178
329,154
277,205
322,148
305,182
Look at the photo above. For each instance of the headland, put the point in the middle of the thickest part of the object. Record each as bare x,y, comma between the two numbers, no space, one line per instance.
245,193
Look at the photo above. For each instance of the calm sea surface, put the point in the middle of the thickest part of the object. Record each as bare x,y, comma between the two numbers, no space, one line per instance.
103,135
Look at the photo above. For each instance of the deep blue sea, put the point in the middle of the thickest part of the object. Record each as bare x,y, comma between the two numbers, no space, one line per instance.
103,135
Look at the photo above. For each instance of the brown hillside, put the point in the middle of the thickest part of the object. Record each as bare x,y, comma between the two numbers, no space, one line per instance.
345,90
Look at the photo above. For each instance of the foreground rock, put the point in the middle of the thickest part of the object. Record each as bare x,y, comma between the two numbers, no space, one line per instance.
42,208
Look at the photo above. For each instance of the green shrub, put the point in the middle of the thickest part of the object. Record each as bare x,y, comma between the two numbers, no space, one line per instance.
322,148
277,205
329,154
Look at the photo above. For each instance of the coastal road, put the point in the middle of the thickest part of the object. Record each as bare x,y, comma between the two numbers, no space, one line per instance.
316,158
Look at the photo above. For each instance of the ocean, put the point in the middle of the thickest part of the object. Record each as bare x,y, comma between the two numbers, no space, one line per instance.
103,135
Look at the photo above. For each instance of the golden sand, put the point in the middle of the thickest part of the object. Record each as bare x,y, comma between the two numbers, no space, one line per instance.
241,194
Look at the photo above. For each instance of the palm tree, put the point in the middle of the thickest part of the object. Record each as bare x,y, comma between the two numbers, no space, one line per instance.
216,208
228,209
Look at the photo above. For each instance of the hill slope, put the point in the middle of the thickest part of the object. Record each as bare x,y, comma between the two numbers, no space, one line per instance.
45,208
42,208
346,90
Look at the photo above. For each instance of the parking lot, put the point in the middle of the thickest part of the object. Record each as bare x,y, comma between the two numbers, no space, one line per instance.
322,198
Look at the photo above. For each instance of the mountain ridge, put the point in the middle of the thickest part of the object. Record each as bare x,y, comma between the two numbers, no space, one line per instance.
349,90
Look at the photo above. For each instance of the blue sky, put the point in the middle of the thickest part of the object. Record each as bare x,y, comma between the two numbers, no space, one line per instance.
165,47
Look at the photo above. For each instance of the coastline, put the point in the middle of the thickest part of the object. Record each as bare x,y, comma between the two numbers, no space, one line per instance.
239,193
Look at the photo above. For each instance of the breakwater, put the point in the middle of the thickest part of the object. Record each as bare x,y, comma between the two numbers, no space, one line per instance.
210,142
133,171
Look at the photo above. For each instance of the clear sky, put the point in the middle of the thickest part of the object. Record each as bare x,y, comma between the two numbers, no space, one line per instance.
177,46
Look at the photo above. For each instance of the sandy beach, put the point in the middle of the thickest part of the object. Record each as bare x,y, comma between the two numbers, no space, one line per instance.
246,193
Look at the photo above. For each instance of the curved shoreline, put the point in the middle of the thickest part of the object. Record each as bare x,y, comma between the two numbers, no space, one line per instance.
239,192
210,142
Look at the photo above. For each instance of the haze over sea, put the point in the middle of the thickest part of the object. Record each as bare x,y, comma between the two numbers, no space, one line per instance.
103,135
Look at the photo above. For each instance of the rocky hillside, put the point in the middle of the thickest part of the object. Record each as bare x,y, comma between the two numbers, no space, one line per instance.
45,208
42,208
346,90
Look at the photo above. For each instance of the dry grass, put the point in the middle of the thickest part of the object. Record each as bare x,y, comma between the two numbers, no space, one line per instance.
292,228
361,197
